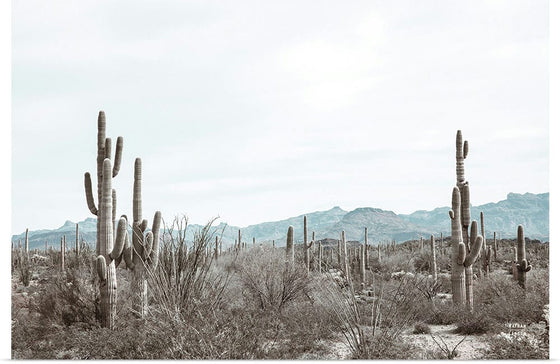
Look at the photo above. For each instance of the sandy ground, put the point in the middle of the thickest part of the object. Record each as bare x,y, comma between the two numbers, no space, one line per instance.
472,347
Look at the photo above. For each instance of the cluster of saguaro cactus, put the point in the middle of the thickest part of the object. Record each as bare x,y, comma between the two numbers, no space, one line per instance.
107,249
522,266
144,252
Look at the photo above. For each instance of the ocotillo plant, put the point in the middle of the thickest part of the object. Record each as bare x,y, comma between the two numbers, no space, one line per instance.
144,252
522,265
461,262
434,264
290,244
306,247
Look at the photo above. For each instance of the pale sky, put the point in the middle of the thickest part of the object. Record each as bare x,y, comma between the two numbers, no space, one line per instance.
257,111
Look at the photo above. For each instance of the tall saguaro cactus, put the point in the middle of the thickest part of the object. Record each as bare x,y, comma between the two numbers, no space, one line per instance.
27,241
144,252
522,265
461,262
105,219
109,251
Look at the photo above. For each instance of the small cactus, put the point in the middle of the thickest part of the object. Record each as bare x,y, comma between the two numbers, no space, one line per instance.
434,264
290,244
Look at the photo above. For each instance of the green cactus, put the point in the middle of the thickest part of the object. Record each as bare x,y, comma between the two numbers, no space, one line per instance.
290,244
522,265
143,254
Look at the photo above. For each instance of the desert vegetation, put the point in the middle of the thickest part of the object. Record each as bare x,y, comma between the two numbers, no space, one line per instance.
159,295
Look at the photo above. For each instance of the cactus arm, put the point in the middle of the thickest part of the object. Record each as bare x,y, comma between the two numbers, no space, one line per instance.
475,251
462,254
473,234
119,240
154,254
108,149
89,194
101,268
118,156
143,225
465,149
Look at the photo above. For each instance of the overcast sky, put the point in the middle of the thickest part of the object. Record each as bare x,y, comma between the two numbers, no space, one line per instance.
256,111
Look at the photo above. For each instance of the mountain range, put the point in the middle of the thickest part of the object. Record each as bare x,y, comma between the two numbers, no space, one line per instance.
530,210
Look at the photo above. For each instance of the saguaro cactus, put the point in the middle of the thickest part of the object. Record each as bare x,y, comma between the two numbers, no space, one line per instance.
461,152
484,257
522,265
27,241
366,255
434,263
363,262
62,251
105,218
290,244
461,262
77,241
306,246
495,248
144,252
320,262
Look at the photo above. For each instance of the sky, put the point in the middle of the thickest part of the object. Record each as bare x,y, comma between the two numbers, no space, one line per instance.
257,111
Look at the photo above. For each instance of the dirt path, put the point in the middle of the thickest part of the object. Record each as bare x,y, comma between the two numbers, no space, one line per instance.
472,347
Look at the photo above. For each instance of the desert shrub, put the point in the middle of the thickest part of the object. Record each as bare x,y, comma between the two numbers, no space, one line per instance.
518,345
501,298
397,261
446,314
474,323
269,281
70,297
421,328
